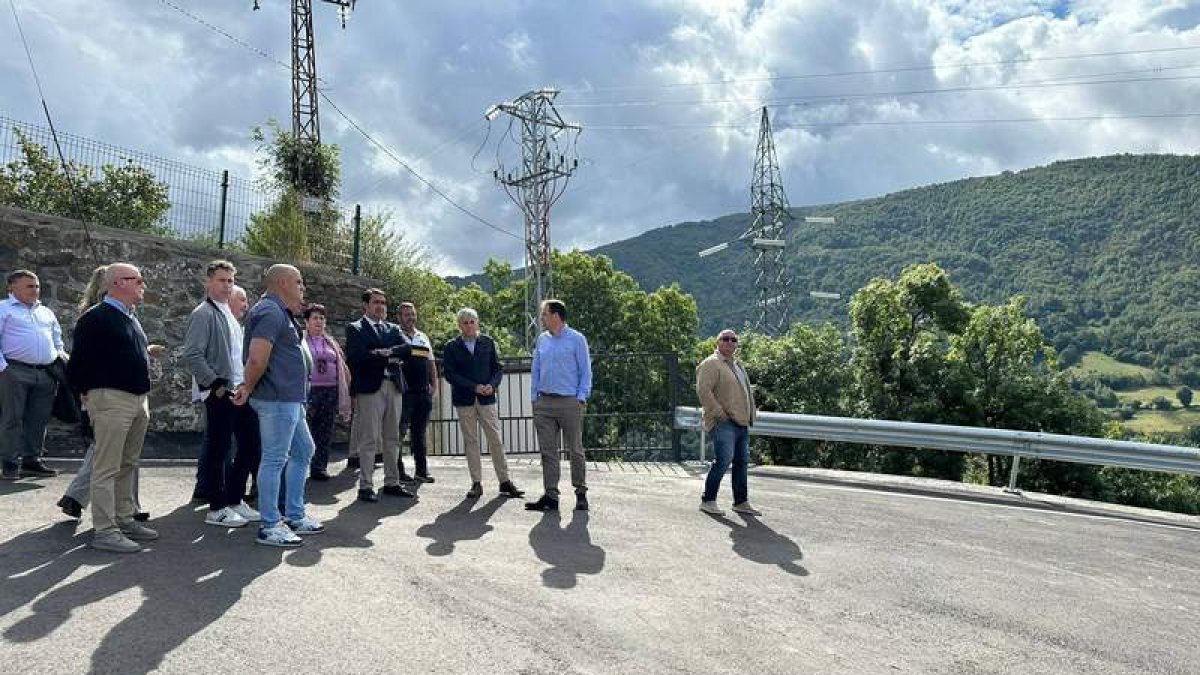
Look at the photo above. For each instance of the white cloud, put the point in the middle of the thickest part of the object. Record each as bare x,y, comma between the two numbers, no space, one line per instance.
418,77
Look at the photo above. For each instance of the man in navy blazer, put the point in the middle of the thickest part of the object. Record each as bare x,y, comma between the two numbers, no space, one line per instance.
472,367
374,352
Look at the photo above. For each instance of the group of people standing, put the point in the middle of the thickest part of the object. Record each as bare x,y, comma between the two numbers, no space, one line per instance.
270,389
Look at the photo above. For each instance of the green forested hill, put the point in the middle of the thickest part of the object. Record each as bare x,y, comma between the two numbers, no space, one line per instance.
1107,249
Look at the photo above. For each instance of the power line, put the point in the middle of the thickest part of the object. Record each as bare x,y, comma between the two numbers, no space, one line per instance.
383,148
885,71
460,133
62,158
388,151
1073,81
888,123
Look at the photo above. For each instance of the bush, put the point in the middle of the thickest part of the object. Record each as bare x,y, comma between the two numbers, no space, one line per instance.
1161,403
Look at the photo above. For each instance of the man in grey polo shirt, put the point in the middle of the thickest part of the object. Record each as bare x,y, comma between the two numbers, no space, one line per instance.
275,383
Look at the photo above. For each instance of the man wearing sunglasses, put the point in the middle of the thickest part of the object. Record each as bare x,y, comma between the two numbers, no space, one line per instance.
728,400
110,366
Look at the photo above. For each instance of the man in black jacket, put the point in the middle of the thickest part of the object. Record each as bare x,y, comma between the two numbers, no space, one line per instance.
473,369
374,352
110,367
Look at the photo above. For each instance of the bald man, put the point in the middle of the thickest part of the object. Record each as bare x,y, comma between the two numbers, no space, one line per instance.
110,366
275,383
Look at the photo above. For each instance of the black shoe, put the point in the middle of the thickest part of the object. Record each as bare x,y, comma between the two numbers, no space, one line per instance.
581,503
70,507
507,489
352,463
141,516
36,469
405,478
397,491
10,471
367,495
319,475
423,478
543,504
476,491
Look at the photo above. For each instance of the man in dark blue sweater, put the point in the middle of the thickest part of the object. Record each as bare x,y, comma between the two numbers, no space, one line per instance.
473,369
110,366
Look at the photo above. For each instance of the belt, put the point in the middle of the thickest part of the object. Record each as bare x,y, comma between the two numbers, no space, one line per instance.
549,395
30,365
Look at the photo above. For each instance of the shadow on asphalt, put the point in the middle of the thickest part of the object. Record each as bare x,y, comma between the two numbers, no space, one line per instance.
758,543
460,523
568,550
1017,500
12,487
187,580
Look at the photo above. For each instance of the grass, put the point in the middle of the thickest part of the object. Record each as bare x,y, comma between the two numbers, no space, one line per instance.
1148,394
1101,365
1164,421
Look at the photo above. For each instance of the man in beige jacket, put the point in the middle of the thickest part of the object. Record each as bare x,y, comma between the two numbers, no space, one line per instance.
725,393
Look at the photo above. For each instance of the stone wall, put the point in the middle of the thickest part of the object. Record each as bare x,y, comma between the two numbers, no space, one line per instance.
57,250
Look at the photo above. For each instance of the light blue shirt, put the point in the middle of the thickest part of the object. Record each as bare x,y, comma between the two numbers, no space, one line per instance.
118,304
28,334
561,365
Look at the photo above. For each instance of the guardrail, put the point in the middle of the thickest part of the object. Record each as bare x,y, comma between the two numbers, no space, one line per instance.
1016,444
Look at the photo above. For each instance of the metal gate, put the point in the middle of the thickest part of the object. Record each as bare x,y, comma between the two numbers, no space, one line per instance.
630,415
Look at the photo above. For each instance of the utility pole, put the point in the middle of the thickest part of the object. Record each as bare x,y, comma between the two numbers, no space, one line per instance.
541,179
306,125
770,215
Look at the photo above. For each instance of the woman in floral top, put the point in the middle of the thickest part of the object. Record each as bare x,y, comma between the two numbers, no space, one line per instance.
329,387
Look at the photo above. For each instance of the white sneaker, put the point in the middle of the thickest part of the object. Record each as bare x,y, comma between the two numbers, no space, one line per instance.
710,507
245,511
745,508
279,535
226,517
306,525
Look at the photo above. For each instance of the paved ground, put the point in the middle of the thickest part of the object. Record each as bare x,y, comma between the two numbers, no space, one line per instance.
843,574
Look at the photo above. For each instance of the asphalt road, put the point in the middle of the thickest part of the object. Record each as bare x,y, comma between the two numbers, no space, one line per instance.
837,576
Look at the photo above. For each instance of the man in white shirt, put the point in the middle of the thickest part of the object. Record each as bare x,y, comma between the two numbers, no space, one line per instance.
30,340
212,353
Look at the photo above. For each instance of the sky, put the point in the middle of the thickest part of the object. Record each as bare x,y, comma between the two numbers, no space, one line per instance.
866,96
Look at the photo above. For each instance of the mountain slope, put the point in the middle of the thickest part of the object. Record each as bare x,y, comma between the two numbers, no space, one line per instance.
1107,249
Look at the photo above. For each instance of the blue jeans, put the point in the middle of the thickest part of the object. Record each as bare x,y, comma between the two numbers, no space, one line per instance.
732,444
287,446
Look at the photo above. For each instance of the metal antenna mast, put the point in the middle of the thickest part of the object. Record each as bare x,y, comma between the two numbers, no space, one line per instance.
306,125
536,186
771,214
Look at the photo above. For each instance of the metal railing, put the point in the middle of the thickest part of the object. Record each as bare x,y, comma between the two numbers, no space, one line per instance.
1016,444
205,205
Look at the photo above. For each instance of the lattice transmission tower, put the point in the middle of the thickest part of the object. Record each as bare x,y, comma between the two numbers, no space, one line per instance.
542,177
770,216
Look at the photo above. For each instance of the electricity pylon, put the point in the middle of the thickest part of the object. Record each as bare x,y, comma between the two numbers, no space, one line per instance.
767,234
536,186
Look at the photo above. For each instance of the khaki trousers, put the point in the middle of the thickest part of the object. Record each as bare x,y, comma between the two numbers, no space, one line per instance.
470,418
377,419
553,416
119,420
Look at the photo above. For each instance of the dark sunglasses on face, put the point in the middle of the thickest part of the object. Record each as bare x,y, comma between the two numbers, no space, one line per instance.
728,338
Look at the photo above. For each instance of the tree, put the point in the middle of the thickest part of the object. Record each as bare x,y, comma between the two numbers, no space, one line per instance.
1184,394
1161,403
127,197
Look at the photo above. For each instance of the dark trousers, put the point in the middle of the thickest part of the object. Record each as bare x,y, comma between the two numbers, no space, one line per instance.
414,419
322,412
225,472
26,398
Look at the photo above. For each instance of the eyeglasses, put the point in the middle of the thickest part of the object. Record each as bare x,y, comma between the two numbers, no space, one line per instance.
728,338
140,280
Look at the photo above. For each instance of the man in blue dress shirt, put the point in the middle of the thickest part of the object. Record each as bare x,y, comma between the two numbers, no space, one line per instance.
30,340
561,383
